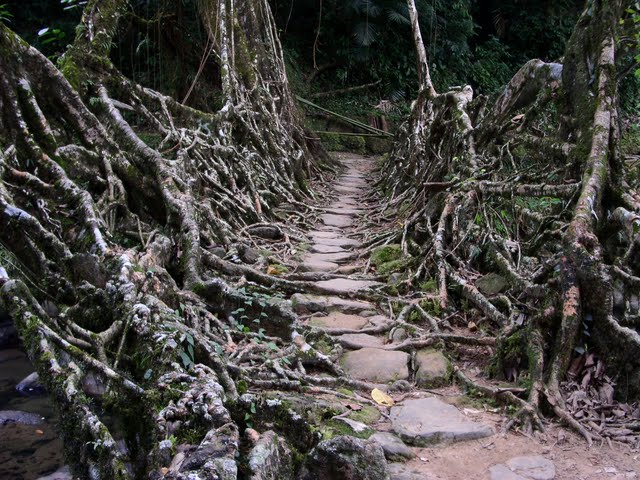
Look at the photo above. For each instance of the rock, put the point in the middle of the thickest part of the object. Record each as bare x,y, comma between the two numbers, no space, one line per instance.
31,386
400,471
268,232
394,448
344,211
320,266
307,303
428,421
252,436
375,365
328,257
336,241
534,467
220,252
340,221
323,234
346,458
432,369
348,269
339,320
398,335
491,284
64,473
93,386
356,427
248,254
360,340
320,248
270,458
8,417
344,285
501,472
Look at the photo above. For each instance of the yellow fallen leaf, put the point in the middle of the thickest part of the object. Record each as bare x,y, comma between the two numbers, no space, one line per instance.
382,398
272,270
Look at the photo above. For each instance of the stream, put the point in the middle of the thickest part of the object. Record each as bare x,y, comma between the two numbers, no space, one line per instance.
27,452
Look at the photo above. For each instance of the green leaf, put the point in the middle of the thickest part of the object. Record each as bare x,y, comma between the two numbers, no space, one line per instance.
272,346
186,361
147,374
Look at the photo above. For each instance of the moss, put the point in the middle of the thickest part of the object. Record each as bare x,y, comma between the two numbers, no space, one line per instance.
388,253
393,266
335,428
336,142
70,71
368,415
430,285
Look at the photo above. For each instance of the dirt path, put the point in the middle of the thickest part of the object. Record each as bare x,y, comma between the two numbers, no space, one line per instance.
433,428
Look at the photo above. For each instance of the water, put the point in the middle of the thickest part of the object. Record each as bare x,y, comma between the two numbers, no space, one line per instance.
27,452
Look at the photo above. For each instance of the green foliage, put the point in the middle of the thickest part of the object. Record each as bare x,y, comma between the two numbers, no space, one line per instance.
492,67
388,253
5,15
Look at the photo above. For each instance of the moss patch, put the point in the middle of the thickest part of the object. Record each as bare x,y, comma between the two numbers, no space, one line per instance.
368,415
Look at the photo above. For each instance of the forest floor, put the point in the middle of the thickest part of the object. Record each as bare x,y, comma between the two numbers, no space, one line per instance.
460,433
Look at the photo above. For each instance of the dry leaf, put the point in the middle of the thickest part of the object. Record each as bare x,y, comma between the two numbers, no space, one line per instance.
353,406
272,270
382,398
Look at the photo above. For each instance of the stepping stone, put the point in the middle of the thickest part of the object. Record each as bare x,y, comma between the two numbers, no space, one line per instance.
336,242
360,340
394,448
312,265
332,220
339,320
432,369
329,257
348,269
307,303
533,467
428,421
400,471
348,189
344,211
319,248
375,365
323,234
345,285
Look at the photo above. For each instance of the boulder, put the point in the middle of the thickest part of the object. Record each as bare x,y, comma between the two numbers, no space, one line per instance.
270,458
491,284
306,303
394,449
432,369
8,417
346,458
376,365
30,386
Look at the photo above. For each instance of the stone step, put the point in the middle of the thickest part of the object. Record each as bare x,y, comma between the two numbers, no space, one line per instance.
344,211
318,266
376,365
333,220
320,248
345,285
355,341
308,303
429,421
335,242
339,257
340,320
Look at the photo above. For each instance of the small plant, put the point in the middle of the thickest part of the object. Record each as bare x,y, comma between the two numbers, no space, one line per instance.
5,15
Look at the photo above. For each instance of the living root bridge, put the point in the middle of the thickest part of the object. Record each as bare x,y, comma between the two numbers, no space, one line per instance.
531,187
106,240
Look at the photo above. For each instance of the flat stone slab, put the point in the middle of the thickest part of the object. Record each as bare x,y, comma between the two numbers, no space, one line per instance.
375,365
531,467
335,242
320,248
344,211
400,471
323,234
333,220
353,190
360,340
345,285
348,269
329,257
428,421
394,448
313,265
307,303
339,320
